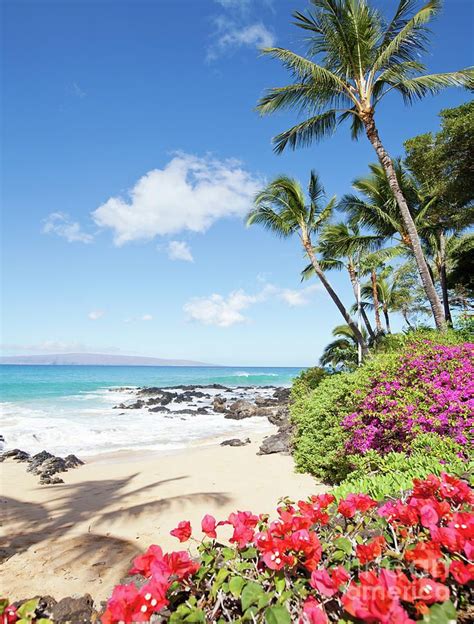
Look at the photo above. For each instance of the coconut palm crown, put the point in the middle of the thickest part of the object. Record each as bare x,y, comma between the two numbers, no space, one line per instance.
282,208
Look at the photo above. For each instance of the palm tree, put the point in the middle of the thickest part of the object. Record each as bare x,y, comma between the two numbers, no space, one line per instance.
342,352
355,58
281,207
341,246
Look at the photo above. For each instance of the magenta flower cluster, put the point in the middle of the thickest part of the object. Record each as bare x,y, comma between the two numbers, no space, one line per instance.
431,390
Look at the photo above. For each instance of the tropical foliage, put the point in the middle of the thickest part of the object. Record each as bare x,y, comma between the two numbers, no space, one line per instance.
355,57
317,561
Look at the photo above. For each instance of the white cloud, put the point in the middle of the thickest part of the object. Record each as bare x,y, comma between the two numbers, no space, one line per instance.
230,36
234,4
295,298
95,315
190,193
179,250
225,311
218,310
146,317
60,223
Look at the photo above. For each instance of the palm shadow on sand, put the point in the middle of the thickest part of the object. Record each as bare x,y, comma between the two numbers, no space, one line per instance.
31,524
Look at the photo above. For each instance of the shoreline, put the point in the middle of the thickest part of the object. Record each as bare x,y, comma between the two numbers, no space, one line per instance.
80,536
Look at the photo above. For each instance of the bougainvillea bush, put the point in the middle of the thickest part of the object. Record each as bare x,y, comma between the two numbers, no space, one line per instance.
320,561
418,387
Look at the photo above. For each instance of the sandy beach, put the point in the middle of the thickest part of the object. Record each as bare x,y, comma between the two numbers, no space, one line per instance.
80,536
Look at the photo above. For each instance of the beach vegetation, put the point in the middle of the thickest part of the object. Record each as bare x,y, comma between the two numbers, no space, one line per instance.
317,561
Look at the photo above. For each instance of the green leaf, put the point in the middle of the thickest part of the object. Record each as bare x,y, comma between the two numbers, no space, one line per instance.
228,553
249,553
277,615
344,544
219,580
28,608
251,593
441,614
43,621
235,585
196,615
250,614
280,583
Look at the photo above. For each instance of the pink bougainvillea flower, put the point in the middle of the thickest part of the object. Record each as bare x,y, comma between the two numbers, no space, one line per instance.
353,503
177,564
429,591
313,612
142,563
244,523
125,605
208,526
182,531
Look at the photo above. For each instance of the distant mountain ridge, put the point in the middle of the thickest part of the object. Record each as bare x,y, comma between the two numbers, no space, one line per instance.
94,359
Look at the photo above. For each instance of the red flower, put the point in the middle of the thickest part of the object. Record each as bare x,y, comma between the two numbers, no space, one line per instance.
463,573
244,523
370,551
313,612
153,595
208,526
9,616
125,605
428,516
277,560
176,564
456,489
429,591
142,563
355,502
427,556
183,531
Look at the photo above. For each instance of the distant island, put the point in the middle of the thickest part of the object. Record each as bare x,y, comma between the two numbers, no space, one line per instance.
93,359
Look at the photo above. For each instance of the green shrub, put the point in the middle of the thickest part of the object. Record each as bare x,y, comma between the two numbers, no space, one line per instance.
319,439
384,476
308,380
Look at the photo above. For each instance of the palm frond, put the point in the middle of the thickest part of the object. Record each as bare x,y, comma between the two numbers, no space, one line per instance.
417,88
271,221
409,40
306,132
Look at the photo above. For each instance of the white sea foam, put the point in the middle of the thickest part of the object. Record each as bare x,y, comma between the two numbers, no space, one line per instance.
88,424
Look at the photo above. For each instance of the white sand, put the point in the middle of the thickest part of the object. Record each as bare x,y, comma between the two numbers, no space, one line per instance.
80,536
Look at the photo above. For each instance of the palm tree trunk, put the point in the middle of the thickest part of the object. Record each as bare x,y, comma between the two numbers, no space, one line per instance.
387,164
443,278
363,312
332,293
387,319
375,297
405,316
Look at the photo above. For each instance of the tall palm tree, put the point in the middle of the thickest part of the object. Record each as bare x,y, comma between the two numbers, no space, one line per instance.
355,58
342,352
282,208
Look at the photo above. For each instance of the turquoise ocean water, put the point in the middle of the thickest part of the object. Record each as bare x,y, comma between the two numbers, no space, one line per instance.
67,409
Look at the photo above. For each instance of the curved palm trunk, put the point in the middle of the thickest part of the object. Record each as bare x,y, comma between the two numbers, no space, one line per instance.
332,293
387,164
405,316
375,297
363,312
443,278
387,319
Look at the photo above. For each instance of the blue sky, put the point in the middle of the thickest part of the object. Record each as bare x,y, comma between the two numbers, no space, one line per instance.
158,97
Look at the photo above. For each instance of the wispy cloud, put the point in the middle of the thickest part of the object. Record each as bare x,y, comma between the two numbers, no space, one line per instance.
189,193
230,36
60,223
142,317
78,92
228,310
179,250
95,315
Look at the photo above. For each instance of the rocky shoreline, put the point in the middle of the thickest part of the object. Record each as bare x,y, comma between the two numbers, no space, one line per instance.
236,403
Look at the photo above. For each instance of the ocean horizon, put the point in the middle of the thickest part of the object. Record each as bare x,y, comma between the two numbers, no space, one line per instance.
73,408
